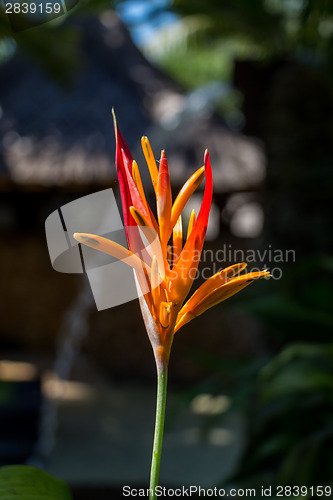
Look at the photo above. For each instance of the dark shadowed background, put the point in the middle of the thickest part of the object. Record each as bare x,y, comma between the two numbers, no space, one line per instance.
251,380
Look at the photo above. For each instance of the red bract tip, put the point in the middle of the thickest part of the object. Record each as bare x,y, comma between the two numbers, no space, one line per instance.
196,238
122,151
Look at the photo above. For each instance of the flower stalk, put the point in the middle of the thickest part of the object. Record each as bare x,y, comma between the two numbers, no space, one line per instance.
162,381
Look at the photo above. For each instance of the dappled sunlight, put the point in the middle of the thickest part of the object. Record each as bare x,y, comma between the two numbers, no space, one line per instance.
207,404
66,390
17,371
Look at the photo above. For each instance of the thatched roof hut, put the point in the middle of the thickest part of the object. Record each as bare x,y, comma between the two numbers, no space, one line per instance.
51,136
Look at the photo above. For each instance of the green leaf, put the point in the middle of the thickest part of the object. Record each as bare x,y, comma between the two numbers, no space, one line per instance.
22,482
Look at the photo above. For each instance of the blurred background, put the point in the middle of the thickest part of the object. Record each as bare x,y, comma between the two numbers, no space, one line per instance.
250,392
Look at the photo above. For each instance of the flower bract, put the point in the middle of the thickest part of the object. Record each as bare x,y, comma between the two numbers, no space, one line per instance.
163,259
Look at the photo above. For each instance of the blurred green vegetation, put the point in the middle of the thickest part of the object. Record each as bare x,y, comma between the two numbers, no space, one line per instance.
289,420
289,406
55,50
300,308
54,46
208,40
26,482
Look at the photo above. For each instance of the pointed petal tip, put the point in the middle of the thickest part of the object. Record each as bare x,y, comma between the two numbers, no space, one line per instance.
206,156
138,217
115,125
80,237
86,239
150,159
145,143
163,162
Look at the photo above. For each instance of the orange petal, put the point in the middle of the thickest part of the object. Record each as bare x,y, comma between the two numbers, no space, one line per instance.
190,224
143,229
152,244
185,193
155,286
216,281
199,303
139,217
137,179
147,151
185,315
163,201
135,194
169,255
183,319
177,239
165,312
133,235
112,248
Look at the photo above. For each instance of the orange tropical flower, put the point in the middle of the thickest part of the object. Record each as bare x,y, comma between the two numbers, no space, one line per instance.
164,273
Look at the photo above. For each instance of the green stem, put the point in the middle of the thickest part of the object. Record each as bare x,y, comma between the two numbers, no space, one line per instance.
162,381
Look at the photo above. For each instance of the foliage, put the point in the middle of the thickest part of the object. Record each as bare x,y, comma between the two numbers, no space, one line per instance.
207,40
53,45
53,49
301,308
290,431
20,482
278,25
289,409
